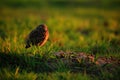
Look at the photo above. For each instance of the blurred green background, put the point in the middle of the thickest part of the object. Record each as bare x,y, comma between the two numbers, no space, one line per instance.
61,3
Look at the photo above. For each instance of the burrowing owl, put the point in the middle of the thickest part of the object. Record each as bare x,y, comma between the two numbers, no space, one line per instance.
38,36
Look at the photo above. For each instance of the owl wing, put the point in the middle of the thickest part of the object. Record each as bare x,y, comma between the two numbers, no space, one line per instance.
37,36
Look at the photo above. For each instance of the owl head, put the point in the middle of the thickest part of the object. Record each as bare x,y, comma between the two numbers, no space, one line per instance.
42,26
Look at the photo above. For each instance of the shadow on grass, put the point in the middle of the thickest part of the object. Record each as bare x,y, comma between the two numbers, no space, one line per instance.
40,64
28,63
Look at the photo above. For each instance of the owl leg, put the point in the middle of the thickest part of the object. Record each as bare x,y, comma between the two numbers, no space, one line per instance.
27,46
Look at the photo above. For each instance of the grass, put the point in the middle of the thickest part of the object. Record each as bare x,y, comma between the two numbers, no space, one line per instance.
94,30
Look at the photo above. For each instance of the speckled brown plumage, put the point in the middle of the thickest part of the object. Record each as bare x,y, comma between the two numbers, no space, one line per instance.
38,36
